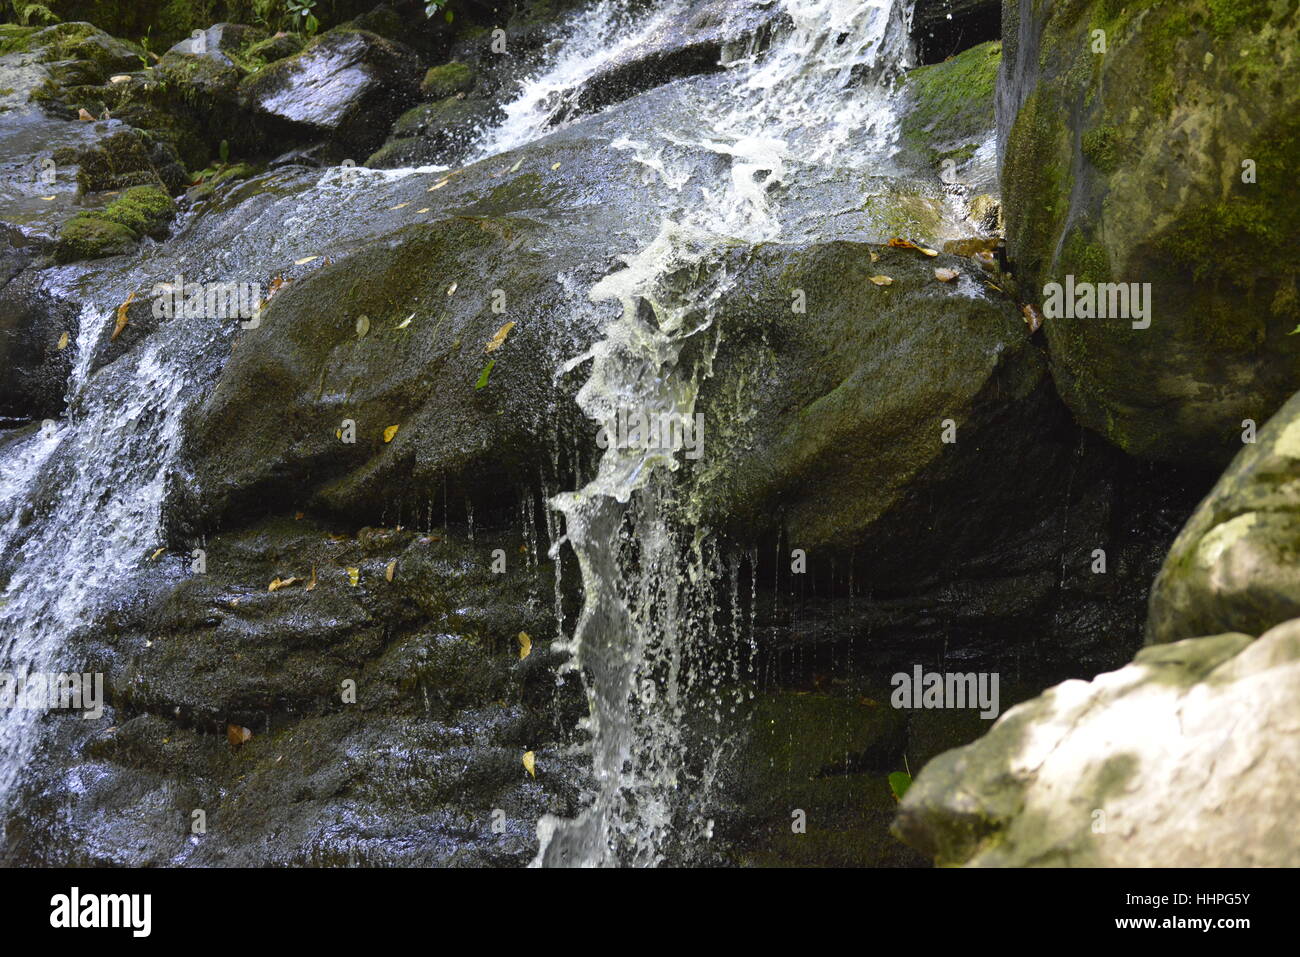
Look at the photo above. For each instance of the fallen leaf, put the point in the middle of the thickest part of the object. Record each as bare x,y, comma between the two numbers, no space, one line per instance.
498,340
311,582
237,735
929,252
452,288
48,198
986,260
83,115
406,322
483,376
425,210
297,516
389,569
899,782
518,163
121,317
882,280
1033,318
390,432
154,556
63,342
946,275
363,326
902,243
438,185
354,576
281,583
525,645
530,764
304,260
555,166
401,205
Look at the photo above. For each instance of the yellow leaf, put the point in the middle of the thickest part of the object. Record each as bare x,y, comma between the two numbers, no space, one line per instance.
401,205
438,185
363,326
406,322
525,645
304,260
354,576
498,340
83,115
154,556
281,583
121,317
48,198
390,432
425,210
882,280
875,257
63,341
530,764
390,569
555,166
929,252
518,163
946,275
452,288
311,583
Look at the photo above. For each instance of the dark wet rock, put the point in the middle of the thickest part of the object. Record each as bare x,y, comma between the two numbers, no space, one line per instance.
1063,781
1233,566
436,133
943,28
119,161
423,765
32,322
1127,167
348,85
219,42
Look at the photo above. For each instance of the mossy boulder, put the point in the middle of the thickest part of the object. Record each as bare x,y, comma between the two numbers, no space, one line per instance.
347,86
1166,159
948,114
440,132
114,229
1236,564
1063,780
447,80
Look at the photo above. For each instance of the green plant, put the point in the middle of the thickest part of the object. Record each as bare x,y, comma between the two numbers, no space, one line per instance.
25,12
431,7
900,781
304,12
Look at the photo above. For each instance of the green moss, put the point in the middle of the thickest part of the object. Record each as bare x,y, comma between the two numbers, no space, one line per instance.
447,80
1102,147
1084,259
140,211
1035,175
14,38
1228,17
953,99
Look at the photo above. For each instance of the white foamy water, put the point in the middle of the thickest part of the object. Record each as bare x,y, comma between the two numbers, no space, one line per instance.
821,96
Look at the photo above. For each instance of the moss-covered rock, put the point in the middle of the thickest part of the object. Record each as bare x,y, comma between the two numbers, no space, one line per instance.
948,113
1166,159
1236,564
140,211
447,80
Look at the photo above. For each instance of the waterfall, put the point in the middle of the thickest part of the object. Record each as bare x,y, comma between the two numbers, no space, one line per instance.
820,95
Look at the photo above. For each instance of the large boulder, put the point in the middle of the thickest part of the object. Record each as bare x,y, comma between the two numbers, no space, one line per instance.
1166,159
1233,566
1211,780
347,86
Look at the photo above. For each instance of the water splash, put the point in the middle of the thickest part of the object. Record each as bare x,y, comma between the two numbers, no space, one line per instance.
821,95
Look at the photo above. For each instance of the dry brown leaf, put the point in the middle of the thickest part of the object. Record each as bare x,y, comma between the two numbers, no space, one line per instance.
311,582
498,340
530,764
390,432
525,645
237,735
898,243
121,317
1033,318
946,275
389,569
882,280
83,115
281,583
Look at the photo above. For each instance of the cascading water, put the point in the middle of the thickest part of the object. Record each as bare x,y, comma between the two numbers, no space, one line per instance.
819,96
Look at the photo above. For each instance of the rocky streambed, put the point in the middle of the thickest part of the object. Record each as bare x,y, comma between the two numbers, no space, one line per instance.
310,337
